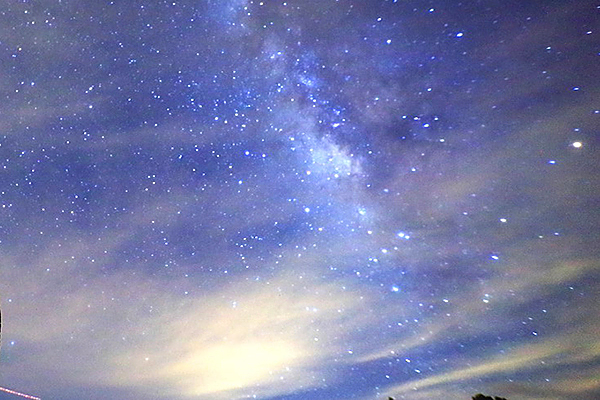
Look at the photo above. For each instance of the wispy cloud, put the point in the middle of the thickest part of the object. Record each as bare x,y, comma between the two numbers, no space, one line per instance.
263,337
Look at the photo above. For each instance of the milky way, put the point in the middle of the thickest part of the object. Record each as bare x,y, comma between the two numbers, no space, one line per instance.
299,200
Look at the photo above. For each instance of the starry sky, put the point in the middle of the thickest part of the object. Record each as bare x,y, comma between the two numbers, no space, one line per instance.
299,200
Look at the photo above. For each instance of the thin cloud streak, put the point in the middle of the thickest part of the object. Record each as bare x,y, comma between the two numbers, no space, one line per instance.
552,353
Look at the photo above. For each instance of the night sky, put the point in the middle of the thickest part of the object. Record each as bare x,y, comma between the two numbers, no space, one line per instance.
300,200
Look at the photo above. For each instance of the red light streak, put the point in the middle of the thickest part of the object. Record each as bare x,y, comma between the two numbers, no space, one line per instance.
19,393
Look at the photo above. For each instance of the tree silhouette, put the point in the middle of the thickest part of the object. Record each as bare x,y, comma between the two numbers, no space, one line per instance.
480,396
